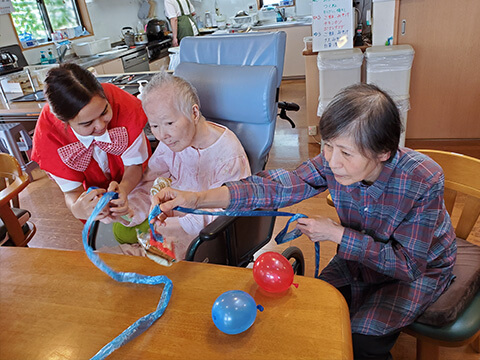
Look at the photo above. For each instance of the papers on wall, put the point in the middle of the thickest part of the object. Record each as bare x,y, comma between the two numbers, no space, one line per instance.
332,26
6,7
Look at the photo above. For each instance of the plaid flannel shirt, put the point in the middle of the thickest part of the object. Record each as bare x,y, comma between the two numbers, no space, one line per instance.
398,248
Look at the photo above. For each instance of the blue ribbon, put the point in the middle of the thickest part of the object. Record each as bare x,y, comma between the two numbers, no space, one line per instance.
282,237
142,324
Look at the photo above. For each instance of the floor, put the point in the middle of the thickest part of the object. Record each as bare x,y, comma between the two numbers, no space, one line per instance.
58,229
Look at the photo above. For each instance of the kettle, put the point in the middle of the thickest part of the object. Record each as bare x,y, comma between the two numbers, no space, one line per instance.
128,36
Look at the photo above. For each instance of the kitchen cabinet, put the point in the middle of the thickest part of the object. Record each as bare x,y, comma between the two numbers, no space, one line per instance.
160,64
109,67
294,66
445,81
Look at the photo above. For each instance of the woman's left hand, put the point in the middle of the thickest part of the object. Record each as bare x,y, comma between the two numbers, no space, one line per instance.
320,228
118,206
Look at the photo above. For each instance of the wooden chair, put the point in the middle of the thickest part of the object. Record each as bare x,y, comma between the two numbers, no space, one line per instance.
14,228
462,175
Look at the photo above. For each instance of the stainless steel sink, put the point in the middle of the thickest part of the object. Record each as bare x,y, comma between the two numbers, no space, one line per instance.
37,96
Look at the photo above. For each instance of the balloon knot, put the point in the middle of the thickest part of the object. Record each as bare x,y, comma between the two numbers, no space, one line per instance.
296,285
260,308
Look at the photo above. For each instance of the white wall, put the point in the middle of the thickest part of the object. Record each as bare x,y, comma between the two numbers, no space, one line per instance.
110,16
230,7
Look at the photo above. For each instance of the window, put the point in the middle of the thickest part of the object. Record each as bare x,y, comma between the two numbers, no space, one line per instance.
275,3
37,20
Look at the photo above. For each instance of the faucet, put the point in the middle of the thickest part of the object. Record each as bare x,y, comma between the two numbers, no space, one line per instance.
62,48
281,12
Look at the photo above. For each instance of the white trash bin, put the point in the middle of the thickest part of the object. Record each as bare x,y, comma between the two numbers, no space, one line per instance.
389,68
337,70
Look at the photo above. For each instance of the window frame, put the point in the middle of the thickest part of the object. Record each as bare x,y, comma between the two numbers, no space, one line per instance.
82,12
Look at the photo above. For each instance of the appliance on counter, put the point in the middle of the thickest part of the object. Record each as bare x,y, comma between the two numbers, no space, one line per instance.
158,39
157,30
11,59
136,62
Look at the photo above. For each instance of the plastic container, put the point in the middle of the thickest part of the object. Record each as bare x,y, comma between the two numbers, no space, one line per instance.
248,20
308,41
338,69
389,68
92,47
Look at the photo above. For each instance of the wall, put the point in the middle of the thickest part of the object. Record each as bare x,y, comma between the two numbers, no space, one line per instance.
108,17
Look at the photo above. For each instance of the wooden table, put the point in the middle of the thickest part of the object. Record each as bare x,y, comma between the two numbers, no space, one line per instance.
58,305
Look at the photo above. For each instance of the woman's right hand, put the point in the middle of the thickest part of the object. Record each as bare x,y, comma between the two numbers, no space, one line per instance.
168,198
81,204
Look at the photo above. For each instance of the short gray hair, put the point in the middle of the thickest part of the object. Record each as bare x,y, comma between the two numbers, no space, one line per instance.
185,92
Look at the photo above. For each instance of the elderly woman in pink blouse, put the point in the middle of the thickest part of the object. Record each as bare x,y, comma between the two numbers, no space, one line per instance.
193,153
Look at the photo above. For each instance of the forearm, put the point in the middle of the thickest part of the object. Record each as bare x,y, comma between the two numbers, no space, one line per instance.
131,178
174,24
214,198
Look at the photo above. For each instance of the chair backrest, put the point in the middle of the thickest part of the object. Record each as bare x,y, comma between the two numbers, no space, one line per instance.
12,181
237,79
462,175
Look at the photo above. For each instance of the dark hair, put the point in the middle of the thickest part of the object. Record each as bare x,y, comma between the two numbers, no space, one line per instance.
68,88
368,114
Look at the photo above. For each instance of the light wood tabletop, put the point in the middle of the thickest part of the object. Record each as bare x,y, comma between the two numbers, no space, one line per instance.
58,305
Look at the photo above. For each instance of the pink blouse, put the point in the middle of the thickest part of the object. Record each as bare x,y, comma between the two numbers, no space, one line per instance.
191,170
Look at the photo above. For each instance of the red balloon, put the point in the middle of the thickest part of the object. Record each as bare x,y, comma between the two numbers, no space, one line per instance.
273,272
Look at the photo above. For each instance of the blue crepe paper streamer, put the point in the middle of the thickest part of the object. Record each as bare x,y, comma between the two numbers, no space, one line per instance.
282,237
142,324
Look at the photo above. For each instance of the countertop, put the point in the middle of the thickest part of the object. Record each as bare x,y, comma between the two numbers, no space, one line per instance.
32,109
95,60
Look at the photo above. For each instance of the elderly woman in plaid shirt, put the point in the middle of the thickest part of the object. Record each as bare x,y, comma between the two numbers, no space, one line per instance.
396,243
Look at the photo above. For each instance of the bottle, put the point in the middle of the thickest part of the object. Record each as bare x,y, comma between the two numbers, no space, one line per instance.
51,58
208,19
358,40
43,58
279,17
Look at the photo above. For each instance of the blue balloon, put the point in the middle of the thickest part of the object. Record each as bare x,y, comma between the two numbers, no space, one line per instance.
234,312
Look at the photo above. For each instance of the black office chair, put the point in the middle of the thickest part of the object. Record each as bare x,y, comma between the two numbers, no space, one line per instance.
237,79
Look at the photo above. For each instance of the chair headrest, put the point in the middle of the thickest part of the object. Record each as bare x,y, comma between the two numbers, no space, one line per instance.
243,94
237,49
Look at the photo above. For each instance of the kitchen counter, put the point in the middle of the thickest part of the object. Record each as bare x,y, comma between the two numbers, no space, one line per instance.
284,24
30,110
97,59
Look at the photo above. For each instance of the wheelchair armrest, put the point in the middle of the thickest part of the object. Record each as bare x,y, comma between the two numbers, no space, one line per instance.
288,106
218,225
209,233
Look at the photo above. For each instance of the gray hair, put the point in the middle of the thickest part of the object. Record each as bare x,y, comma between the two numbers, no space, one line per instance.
184,91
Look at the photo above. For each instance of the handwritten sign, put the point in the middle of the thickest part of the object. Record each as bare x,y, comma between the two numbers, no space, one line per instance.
332,26
6,7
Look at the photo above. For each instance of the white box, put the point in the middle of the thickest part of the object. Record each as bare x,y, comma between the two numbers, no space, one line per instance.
92,47
337,70
389,68
383,21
